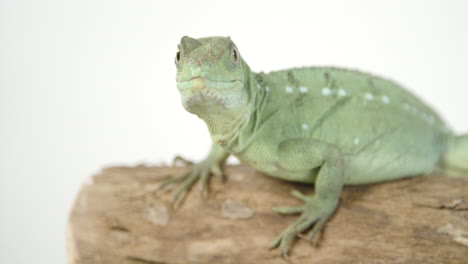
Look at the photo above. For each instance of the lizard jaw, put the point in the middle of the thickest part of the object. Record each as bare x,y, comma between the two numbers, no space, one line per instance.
201,92
197,83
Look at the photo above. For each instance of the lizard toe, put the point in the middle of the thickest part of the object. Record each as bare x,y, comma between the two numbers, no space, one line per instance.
285,210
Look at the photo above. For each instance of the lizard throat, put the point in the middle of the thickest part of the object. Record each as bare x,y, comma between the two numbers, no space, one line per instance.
225,117
224,124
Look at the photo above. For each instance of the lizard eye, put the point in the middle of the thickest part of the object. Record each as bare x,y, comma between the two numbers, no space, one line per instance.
177,57
235,55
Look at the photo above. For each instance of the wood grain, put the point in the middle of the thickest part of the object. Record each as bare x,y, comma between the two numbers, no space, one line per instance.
120,217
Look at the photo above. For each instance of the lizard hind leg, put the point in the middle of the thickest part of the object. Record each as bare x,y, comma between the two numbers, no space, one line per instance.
306,154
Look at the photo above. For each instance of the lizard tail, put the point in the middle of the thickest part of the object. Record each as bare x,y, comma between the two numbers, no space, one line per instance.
455,159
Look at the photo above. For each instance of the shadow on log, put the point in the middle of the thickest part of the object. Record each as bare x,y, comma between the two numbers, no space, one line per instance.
120,217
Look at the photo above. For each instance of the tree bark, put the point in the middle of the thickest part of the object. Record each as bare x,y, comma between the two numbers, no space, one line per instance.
121,217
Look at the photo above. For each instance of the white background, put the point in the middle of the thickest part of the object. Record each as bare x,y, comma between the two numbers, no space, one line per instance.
87,84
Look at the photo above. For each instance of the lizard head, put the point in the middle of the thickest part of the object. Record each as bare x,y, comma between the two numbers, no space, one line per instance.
211,77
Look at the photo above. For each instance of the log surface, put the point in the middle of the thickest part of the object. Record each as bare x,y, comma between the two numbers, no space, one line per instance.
120,217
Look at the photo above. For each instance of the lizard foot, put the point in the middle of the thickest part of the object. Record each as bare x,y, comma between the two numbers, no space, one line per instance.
200,171
314,214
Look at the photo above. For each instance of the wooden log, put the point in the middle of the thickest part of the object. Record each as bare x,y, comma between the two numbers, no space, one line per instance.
120,217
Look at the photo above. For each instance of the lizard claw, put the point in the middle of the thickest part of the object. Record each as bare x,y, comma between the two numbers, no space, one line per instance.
218,172
288,210
181,159
286,238
186,184
314,214
200,171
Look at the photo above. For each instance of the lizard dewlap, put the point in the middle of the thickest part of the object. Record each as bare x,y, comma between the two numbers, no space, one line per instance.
321,125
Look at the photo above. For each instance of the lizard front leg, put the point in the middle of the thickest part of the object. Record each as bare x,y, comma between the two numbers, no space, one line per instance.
307,155
212,164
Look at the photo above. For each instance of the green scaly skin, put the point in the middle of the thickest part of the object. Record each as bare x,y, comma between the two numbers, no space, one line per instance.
321,125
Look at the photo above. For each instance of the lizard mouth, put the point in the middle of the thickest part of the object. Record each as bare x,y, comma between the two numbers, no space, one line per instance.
200,94
197,83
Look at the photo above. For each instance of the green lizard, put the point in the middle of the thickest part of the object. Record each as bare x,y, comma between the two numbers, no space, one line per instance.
321,125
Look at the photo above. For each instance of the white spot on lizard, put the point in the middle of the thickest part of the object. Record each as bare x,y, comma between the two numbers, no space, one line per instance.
267,89
326,91
303,89
342,92
259,86
288,89
356,141
385,99
305,126
369,96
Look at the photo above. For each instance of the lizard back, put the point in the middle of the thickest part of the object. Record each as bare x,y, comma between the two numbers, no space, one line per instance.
371,119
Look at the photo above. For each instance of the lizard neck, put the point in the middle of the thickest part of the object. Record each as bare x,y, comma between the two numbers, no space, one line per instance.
246,134
226,134
242,131
227,127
